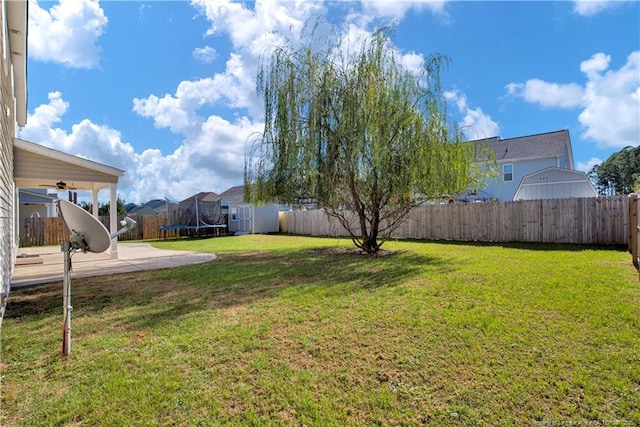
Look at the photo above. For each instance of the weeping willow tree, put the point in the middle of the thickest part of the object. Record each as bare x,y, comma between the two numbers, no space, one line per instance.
358,133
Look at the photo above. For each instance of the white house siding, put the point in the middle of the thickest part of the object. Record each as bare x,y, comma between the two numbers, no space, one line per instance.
30,211
563,162
7,190
35,200
13,93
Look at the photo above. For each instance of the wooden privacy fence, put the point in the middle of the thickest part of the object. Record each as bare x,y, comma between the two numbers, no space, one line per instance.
52,231
634,233
578,220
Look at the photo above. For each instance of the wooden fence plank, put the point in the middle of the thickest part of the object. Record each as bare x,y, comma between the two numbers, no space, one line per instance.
53,231
582,221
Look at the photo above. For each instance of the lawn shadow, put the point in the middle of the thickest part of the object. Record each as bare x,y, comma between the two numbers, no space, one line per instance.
147,299
570,247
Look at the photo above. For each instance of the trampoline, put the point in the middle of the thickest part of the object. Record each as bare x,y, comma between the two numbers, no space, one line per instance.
216,230
194,217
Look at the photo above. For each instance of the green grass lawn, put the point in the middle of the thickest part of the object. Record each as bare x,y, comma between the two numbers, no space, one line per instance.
299,331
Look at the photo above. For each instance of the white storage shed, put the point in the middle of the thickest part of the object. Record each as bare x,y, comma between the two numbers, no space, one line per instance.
252,219
554,183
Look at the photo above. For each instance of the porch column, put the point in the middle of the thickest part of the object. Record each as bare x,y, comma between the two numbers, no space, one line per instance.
113,219
94,203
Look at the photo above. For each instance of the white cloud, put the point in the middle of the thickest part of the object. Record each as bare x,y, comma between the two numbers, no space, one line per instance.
611,116
214,148
205,54
47,114
591,7
212,161
86,139
586,166
475,124
211,156
141,11
610,99
251,31
414,62
179,112
246,26
67,33
536,91
397,9
595,65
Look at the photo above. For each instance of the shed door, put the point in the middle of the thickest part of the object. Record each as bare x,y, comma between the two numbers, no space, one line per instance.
244,218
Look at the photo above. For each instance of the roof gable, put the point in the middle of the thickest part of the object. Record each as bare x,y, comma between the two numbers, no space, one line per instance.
143,210
39,166
550,144
155,203
36,196
203,196
232,192
554,174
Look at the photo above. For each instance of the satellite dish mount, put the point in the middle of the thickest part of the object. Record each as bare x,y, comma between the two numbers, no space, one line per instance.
87,235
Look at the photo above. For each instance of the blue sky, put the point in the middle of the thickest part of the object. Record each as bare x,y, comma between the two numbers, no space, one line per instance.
165,90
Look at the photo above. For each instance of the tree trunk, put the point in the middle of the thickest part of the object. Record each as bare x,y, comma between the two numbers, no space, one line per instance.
370,238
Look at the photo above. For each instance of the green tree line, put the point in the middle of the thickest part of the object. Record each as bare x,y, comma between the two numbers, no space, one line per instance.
619,174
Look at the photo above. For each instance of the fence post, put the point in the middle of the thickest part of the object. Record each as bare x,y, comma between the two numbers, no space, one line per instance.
634,224
633,200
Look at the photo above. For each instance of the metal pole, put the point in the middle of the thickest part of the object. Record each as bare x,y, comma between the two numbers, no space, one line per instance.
66,291
197,214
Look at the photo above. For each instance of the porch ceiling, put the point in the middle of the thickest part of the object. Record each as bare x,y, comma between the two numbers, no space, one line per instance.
36,166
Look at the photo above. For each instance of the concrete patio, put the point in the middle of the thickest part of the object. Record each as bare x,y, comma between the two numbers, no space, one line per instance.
44,264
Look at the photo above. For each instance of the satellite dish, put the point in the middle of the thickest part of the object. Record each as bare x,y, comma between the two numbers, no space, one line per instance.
89,233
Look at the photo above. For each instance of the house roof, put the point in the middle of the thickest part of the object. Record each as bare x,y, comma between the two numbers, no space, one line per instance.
143,210
16,22
36,197
37,166
156,203
203,196
233,193
550,144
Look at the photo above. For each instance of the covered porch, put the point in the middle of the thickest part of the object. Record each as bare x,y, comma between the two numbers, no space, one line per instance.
37,166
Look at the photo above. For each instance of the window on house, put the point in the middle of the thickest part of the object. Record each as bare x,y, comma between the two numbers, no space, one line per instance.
507,172
234,214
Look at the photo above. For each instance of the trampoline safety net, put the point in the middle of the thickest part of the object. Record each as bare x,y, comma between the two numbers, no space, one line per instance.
196,213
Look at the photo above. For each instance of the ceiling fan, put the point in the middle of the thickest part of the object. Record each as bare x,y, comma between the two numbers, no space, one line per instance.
60,185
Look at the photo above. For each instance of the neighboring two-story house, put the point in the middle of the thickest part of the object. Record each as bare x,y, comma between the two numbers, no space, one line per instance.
536,167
